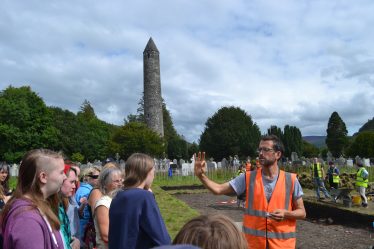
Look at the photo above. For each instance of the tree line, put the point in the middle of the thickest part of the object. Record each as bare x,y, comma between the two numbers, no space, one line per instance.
27,123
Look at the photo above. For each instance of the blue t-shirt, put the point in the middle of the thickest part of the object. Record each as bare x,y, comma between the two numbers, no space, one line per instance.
238,184
135,221
83,191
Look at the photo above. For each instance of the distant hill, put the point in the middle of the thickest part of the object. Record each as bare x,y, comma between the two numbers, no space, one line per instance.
368,126
318,141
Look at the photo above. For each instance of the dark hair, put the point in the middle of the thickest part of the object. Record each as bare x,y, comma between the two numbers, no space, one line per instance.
360,163
277,143
215,231
4,186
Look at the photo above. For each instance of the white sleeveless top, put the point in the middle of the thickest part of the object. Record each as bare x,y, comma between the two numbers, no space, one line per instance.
103,201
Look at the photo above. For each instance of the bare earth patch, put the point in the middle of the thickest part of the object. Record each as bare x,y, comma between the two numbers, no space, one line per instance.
313,234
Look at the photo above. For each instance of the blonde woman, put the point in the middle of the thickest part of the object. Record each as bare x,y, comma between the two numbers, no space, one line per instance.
96,192
110,179
28,220
135,219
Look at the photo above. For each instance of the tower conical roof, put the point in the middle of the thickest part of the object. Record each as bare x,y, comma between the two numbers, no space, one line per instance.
151,46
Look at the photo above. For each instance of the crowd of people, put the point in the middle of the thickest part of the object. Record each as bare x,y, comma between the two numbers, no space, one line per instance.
56,205
333,178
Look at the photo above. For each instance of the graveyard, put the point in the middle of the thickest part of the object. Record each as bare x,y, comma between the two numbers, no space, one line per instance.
181,196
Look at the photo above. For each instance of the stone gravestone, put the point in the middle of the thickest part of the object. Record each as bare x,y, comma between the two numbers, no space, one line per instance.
350,162
366,162
236,161
224,163
341,161
175,161
294,157
174,168
187,169
181,162
357,159
219,165
211,166
14,170
329,157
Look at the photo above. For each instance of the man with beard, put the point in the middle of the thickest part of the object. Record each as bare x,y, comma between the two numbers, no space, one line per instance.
273,197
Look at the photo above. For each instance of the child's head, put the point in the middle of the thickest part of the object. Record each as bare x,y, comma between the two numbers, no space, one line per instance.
139,169
211,232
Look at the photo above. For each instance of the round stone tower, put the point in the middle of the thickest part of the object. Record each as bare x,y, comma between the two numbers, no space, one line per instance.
152,88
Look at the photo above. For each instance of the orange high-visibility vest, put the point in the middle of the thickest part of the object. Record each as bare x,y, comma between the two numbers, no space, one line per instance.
257,226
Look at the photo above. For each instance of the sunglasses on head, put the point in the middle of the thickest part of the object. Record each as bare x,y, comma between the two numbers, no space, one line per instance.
93,176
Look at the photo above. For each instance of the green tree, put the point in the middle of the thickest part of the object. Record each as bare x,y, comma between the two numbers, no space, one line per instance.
25,123
192,149
230,131
77,157
176,146
292,140
368,126
274,130
136,137
336,138
87,111
83,133
363,145
309,150
139,116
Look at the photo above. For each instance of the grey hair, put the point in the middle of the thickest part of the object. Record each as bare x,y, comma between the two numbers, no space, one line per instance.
105,178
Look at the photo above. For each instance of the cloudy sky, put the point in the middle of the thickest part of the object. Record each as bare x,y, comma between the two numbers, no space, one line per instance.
283,62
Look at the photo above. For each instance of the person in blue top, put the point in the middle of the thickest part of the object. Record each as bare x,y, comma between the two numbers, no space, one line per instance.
90,180
135,220
333,176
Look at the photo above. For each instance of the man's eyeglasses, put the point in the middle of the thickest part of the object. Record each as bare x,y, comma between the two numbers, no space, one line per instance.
93,176
264,149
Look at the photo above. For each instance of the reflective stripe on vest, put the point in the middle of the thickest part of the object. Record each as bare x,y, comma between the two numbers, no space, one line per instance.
335,178
270,235
360,182
257,225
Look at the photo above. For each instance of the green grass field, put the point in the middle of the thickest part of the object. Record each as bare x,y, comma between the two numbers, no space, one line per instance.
175,212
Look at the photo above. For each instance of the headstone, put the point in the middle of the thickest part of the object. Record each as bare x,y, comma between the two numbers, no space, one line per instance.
211,166
181,162
350,162
341,161
187,169
294,157
329,157
14,170
357,159
175,161
236,161
219,165
366,162
224,163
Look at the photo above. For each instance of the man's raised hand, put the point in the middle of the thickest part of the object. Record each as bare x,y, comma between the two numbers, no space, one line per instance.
200,164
